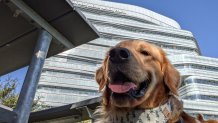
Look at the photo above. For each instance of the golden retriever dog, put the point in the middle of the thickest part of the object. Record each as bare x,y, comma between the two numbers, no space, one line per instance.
139,85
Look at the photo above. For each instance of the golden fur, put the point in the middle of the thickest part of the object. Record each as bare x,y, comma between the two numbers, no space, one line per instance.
148,62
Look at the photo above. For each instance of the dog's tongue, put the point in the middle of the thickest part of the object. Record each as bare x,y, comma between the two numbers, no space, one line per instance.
122,87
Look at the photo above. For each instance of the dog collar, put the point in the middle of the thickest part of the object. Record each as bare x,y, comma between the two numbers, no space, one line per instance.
159,114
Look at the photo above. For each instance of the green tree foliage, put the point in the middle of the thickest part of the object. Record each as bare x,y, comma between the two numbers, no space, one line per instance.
9,96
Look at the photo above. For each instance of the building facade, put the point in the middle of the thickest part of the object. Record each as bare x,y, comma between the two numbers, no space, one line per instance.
69,76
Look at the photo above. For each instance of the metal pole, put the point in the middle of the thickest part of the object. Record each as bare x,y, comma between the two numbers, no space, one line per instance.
28,90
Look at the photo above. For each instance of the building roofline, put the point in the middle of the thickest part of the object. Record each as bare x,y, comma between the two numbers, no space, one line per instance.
138,11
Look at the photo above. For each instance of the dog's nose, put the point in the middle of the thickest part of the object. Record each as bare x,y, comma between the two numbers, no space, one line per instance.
119,55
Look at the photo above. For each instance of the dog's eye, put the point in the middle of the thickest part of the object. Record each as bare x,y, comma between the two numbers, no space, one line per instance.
144,53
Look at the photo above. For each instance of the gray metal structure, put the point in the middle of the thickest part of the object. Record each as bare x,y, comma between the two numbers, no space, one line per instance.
27,94
20,22
71,113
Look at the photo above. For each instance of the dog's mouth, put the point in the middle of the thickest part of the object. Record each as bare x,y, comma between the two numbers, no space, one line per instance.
122,85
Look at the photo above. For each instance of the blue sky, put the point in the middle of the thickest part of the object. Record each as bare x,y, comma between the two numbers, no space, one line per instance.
18,74
198,16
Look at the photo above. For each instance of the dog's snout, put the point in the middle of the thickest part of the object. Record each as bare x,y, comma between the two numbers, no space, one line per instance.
119,55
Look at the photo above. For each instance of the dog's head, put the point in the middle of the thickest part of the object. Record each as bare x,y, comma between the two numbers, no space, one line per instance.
136,74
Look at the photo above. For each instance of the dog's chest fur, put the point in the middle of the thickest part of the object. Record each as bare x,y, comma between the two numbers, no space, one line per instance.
156,115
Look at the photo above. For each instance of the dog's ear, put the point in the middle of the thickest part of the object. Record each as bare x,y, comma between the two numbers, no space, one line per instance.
101,75
171,75
200,117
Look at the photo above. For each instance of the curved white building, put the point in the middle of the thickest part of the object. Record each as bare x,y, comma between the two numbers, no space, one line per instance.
69,76
199,89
